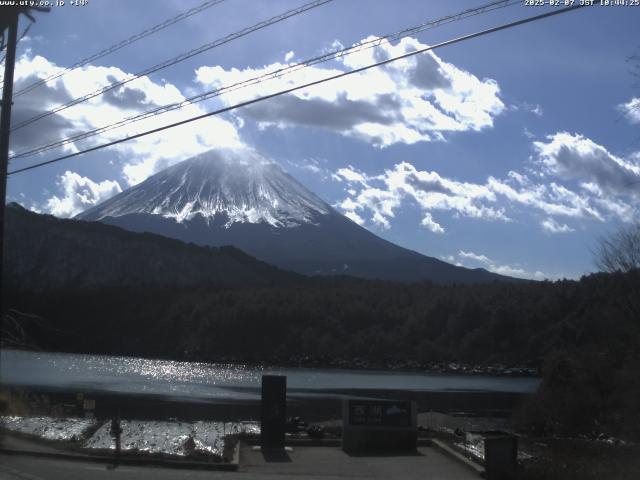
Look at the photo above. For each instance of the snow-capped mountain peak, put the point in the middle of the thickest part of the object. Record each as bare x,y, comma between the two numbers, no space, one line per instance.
237,186
239,198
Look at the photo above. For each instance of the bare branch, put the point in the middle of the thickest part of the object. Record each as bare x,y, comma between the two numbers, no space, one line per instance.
620,251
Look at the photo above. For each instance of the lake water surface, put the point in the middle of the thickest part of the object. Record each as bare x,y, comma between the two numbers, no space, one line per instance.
217,382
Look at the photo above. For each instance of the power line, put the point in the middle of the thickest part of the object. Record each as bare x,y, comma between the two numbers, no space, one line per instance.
24,34
306,85
120,45
179,58
271,75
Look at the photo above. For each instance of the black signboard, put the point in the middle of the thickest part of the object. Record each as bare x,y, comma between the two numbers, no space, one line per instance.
274,404
501,456
379,413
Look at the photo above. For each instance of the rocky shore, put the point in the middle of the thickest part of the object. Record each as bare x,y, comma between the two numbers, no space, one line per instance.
358,363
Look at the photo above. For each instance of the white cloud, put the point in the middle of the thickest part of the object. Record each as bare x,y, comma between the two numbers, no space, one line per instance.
383,194
312,167
618,208
552,199
317,166
351,175
533,108
32,206
355,217
289,55
142,157
474,256
606,181
427,221
78,194
551,226
537,110
411,100
631,109
575,157
474,260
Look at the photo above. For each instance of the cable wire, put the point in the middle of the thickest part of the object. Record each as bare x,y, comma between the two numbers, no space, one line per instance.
120,45
271,75
306,85
24,34
179,58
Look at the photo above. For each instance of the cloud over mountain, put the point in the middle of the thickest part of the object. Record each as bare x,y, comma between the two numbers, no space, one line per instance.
472,259
79,194
143,156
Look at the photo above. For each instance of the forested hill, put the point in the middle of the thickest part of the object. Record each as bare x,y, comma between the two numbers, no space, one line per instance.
47,253
333,319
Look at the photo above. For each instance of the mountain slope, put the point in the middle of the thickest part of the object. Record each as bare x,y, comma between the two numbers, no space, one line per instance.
243,200
44,252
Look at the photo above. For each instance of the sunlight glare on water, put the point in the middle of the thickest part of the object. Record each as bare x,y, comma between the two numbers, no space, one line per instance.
174,371
223,381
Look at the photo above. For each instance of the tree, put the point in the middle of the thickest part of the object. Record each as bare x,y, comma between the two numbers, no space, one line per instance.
620,251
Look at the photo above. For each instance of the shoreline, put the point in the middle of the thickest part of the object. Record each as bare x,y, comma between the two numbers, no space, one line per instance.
355,364
321,406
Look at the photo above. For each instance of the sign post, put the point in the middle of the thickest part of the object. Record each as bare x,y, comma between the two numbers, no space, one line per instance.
500,456
273,411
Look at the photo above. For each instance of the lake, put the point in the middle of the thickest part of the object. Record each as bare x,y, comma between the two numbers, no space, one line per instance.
225,383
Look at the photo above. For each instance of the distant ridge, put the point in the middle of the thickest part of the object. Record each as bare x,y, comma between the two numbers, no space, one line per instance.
44,252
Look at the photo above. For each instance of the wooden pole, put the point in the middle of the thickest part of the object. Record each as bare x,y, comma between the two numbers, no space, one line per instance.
5,128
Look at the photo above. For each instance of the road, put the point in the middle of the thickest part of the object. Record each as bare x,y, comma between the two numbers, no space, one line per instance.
32,468
302,463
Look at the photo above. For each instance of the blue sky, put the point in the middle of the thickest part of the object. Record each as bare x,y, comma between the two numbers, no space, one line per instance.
514,151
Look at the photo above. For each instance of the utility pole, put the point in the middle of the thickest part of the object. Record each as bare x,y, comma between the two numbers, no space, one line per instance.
9,22
5,128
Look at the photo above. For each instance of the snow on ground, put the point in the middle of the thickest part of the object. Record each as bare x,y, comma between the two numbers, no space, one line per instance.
63,429
474,445
170,438
144,436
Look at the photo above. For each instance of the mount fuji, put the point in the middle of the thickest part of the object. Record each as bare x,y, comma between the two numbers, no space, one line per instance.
241,199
